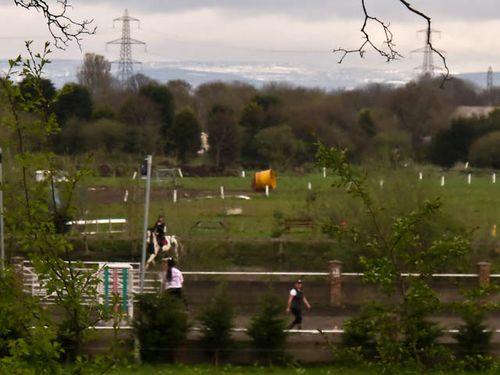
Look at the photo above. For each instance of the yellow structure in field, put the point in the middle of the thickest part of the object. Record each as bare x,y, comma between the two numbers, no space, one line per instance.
263,179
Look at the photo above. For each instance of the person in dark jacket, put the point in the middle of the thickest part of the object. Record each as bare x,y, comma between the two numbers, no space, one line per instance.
296,299
160,229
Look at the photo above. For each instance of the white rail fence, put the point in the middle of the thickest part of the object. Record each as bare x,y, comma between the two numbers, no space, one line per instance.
120,281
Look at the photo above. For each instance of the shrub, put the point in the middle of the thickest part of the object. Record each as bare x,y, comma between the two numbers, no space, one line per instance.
217,321
267,329
27,344
485,152
473,339
161,325
358,337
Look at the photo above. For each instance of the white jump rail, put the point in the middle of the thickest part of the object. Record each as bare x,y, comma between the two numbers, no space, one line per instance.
111,225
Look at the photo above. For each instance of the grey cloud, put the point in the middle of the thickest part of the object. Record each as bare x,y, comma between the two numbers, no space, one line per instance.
389,10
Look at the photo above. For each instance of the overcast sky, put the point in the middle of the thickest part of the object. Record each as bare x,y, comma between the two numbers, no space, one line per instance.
269,31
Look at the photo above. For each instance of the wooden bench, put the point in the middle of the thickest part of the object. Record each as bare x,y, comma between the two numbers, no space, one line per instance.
299,223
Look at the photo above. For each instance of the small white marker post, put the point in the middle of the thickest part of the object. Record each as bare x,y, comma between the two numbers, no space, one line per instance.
267,190
174,196
420,176
242,174
222,192
134,175
125,197
309,186
324,172
442,180
469,178
466,165
381,184
494,178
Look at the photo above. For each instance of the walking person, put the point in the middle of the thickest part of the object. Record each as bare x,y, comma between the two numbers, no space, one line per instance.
295,300
172,278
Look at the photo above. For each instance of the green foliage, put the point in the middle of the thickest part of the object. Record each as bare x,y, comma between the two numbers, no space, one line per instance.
36,210
358,338
225,136
402,330
164,101
73,101
267,329
278,225
485,151
161,325
186,134
27,344
474,335
104,134
453,144
278,147
217,321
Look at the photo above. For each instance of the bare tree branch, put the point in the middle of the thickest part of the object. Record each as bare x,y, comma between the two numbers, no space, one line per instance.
61,26
389,51
428,39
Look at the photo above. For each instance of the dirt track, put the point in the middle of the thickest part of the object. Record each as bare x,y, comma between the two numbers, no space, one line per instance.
110,195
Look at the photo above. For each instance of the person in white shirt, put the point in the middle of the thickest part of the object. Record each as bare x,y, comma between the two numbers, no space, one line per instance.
173,278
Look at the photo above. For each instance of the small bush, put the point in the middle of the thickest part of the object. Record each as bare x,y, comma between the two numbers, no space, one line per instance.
161,325
358,338
473,341
267,329
217,321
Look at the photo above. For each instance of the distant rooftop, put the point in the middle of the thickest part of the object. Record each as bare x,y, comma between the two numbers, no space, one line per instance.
466,111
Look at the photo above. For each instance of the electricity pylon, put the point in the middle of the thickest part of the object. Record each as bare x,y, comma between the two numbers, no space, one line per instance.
427,68
489,79
126,63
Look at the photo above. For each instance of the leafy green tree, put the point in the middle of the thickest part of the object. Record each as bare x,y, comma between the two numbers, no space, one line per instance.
26,341
277,146
34,209
217,321
161,325
474,334
186,132
485,151
224,136
164,100
454,144
73,100
29,88
403,330
142,126
267,329
182,92
103,134
422,110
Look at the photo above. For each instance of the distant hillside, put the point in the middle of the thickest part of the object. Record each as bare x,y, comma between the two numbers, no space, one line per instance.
257,74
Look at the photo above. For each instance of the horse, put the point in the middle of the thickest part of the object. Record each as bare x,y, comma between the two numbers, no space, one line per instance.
171,246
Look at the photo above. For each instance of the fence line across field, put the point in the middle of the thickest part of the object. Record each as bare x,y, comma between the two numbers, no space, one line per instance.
122,279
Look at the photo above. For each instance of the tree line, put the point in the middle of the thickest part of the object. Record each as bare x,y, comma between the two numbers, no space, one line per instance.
276,125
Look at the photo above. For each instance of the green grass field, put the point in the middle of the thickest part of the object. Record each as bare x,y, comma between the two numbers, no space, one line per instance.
475,205
257,237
